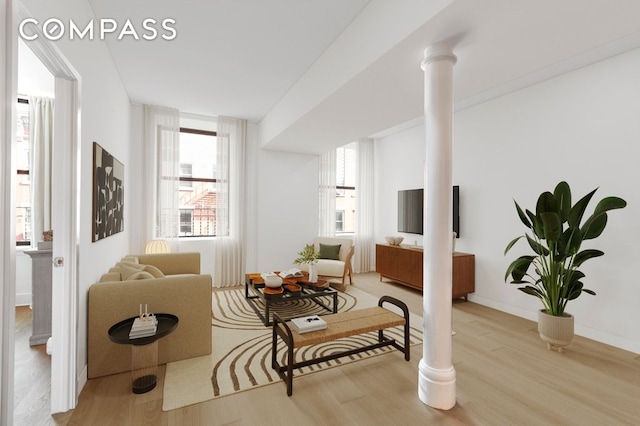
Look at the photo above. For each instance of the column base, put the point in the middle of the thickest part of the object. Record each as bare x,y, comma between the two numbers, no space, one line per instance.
437,388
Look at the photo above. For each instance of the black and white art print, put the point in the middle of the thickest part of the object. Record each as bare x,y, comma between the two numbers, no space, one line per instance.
108,194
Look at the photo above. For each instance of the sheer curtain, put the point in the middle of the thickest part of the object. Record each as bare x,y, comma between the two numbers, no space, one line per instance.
230,214
364,240
161,165
41,140
327,193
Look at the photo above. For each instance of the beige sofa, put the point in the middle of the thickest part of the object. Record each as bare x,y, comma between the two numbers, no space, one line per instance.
340,267
182,291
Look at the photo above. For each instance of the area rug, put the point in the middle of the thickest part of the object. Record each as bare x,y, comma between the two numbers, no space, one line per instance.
241,353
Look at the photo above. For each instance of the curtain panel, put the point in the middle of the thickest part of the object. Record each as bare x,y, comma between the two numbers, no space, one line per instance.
327,194
41,142
161,171
229,257
363,257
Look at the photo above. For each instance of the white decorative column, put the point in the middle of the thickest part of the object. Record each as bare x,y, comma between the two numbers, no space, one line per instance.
436,375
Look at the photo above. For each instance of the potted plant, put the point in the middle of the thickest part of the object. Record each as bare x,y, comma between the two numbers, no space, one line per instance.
555,235
309,256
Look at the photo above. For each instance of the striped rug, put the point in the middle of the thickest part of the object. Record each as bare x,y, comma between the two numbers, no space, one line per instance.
241,353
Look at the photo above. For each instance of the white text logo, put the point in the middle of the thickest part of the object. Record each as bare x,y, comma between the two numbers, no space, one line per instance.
54,29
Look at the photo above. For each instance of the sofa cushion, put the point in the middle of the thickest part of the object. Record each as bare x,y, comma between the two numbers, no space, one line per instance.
140,275
329,251
157,273
110,276
126,271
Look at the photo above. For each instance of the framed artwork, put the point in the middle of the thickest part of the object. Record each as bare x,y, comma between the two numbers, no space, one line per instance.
108,194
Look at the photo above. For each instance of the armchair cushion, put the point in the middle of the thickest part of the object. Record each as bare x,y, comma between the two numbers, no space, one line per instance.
331,252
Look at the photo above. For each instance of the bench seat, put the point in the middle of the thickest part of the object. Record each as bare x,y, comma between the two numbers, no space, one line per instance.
344,324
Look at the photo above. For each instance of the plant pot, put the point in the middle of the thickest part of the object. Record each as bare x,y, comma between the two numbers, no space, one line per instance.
556,331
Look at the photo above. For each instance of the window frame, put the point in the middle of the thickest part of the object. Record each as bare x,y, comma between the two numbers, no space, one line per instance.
186,182
24,100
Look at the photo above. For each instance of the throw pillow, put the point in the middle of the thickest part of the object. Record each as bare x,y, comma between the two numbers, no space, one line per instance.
126,271
157,273
140,275
329,252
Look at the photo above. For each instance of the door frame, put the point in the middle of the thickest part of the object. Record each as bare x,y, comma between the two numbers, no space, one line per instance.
65,216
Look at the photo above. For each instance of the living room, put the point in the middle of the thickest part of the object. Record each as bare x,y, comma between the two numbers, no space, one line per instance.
574,119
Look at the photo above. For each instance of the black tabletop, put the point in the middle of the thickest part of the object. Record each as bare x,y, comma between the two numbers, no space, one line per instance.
119,333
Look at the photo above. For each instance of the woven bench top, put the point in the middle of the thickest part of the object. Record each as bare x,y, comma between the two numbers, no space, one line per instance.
349,323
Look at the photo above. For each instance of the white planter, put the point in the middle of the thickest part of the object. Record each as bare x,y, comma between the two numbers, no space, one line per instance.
556,331
313,273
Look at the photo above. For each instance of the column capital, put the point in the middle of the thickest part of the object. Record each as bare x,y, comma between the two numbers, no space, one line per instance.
438,52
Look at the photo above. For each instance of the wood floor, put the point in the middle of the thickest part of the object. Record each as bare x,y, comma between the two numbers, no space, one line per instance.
505,376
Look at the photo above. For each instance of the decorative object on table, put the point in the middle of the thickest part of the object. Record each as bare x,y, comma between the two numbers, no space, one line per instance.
108,194
394,240
556,237
291,273
271,279
308,324
309,256
144,325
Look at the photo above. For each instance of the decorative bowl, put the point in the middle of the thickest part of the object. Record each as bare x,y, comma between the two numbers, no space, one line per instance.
394,241
273,281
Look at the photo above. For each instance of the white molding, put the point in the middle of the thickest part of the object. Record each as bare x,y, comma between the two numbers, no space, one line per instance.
8,94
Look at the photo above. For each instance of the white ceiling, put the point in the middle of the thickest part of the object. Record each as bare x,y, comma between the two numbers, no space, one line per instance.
273,61
231,57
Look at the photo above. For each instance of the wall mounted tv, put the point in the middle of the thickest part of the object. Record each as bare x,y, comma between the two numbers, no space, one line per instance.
411,211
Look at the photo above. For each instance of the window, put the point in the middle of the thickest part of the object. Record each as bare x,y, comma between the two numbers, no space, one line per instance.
340,221
198,173
346,189
23,182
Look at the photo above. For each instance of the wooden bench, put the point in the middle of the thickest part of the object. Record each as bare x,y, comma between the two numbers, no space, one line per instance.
339,325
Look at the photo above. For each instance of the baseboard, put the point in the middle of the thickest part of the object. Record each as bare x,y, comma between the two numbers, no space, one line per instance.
589,333
81,380
23,299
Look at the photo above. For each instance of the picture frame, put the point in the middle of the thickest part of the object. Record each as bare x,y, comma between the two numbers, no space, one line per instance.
108,194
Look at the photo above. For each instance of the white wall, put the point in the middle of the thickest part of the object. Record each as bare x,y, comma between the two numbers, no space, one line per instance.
287,209
23,278
581,127
105,118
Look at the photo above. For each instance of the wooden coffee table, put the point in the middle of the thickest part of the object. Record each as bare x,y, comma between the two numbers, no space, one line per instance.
320,293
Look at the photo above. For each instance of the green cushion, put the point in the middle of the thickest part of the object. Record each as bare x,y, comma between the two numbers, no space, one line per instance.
329,252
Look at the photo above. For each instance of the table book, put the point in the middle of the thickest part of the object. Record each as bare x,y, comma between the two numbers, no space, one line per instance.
308,324
144,326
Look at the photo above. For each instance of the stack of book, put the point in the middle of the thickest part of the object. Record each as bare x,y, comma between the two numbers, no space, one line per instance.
308,324
143,327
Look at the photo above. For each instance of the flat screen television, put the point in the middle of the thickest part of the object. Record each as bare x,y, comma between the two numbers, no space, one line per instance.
411,211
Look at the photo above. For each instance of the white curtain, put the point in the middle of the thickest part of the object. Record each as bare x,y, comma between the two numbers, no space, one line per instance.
364,239
327,193
161,153
41,141
230,213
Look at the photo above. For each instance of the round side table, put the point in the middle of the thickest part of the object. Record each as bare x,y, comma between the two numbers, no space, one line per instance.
144,350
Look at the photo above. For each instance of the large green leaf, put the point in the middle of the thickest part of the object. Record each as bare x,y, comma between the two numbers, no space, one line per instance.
585,255
552,225
532,291
515,240
523,216
573,239
546,203
577,211
562,194
538,229
538,248
574,290
518,268
610,203
594,226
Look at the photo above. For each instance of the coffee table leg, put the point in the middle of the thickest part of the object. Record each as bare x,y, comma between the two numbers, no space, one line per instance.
267,313
335,303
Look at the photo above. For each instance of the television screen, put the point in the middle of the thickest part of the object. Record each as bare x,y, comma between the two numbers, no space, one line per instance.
411,211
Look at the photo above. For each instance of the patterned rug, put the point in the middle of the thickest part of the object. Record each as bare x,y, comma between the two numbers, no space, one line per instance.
241,353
